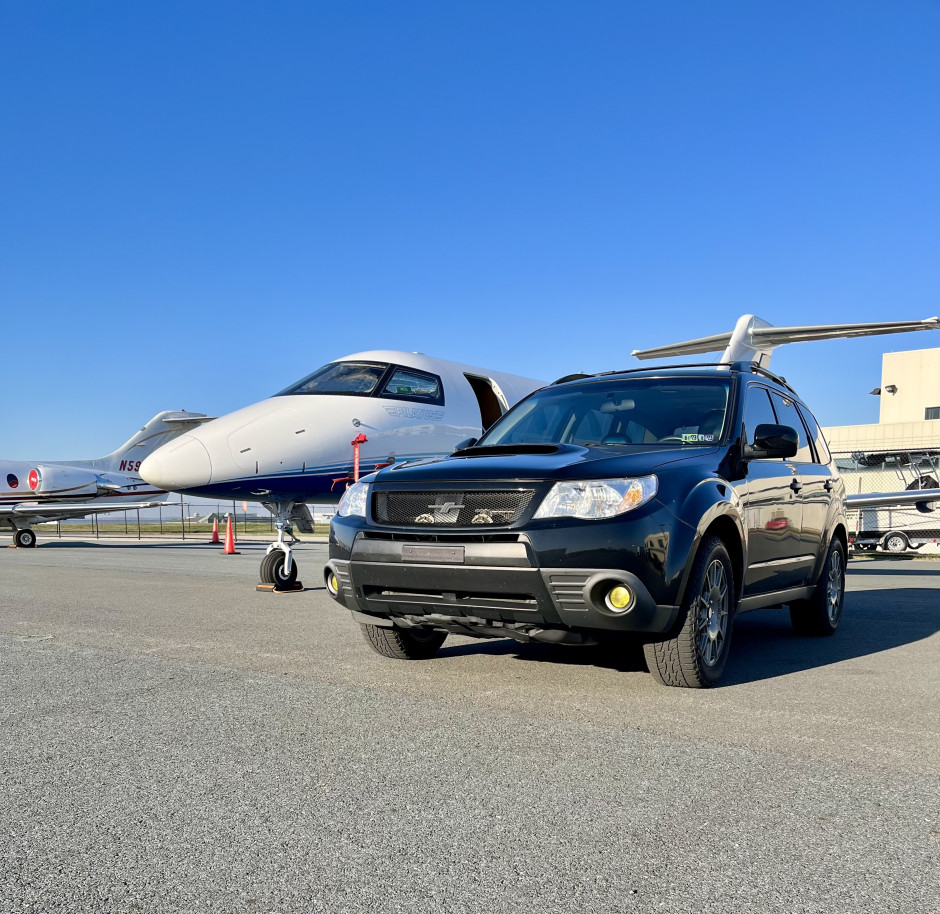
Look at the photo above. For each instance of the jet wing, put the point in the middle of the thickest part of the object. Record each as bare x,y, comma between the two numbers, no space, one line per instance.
61,509
922,499
754,338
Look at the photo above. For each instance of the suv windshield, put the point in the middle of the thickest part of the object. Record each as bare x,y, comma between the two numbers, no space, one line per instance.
671,411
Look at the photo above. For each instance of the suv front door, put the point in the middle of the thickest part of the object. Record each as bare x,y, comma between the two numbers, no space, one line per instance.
773,508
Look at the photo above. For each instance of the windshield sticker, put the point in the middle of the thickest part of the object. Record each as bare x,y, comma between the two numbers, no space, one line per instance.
695,438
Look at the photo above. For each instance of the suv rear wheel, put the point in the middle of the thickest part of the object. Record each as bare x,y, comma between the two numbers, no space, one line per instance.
695,658
403,644
821,613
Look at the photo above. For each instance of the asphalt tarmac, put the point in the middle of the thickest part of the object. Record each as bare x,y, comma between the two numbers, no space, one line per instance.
172,740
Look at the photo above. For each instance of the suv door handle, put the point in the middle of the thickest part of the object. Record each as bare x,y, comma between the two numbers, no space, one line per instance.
796,485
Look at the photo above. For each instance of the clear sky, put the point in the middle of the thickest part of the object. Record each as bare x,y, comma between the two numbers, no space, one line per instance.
203,201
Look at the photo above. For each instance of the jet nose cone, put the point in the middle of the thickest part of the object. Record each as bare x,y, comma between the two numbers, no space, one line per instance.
181,464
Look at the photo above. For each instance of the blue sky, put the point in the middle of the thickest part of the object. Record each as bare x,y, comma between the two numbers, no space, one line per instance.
203,201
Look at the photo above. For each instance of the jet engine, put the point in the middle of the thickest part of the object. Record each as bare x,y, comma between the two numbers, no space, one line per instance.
64,481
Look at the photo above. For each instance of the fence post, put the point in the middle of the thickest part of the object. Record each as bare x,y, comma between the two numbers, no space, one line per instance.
138,523
182,518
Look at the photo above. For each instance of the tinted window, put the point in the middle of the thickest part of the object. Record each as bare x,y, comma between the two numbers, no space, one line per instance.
678,412
350,379
757,411
787,415
815,433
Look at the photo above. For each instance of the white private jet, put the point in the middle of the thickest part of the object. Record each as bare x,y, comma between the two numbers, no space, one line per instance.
296,446
50,490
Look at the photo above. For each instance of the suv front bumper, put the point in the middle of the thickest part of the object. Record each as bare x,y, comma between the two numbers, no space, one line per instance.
487,588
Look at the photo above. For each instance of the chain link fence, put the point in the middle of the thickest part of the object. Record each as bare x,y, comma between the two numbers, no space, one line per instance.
899,469
183,519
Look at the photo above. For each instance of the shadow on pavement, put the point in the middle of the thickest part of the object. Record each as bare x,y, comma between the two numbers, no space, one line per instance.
764,644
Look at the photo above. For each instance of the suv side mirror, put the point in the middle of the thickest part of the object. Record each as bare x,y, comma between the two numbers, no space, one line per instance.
467,442
772,441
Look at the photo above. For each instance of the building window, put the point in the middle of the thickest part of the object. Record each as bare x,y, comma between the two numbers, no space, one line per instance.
932,412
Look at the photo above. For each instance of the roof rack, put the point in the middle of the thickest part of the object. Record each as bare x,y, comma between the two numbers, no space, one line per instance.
652,369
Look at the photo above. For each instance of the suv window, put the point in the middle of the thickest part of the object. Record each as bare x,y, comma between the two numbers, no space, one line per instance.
757,411
815,433
787,415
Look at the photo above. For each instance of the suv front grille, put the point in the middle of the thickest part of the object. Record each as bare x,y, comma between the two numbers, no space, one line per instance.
480,508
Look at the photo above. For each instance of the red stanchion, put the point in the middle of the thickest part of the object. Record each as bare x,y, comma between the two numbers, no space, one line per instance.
359,439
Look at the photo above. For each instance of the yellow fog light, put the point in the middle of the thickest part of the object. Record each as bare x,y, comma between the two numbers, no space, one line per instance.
619,598
332,584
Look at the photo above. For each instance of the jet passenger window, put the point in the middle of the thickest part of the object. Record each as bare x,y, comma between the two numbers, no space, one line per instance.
408,384
349,379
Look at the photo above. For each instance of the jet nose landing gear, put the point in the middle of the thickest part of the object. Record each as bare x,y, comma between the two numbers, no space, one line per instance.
278,568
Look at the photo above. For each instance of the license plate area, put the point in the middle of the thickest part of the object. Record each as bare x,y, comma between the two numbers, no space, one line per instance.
443,555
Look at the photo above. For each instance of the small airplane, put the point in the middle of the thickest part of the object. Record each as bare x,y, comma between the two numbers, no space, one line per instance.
50,490
295,447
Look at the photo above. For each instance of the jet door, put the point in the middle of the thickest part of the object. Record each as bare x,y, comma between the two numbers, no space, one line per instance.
490,398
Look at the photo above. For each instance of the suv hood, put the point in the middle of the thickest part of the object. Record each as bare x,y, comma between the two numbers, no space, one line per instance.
536,462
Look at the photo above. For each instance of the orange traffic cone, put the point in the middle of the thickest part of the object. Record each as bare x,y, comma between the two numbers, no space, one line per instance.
229,538
215,531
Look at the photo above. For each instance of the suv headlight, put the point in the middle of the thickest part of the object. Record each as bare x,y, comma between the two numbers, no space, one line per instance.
592,499
354,501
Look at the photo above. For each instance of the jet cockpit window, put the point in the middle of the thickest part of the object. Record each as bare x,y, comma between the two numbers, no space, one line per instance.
406,383
345,379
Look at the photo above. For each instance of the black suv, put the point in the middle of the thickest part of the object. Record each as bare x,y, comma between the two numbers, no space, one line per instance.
656,502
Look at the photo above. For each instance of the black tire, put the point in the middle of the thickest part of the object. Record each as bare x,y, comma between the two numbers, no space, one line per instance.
403,644
695,658
822,612
272,570
895,542
25,539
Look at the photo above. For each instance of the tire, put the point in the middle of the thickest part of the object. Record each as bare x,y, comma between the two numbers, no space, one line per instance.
695,658
403,644
822,612
25,539
895,542
272,570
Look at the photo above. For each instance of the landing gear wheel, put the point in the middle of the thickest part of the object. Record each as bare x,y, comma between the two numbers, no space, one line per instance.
695,658
403,644
25,539
895,542
821,613
272,570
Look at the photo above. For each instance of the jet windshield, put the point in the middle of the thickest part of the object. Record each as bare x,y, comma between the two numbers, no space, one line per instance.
370,379
675,412
352,379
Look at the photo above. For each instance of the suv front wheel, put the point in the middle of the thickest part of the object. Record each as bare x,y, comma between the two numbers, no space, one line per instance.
695,658
403,644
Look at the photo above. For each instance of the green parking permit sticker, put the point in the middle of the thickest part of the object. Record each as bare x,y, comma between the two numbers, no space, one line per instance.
696,438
